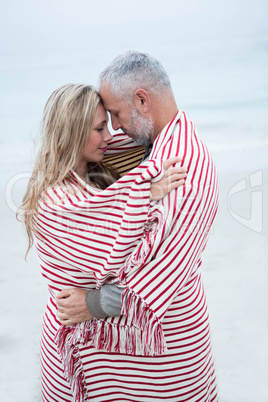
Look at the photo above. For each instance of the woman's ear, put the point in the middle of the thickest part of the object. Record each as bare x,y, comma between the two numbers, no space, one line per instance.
142,101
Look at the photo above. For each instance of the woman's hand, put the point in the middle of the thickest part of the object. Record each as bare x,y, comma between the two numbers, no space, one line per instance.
173,177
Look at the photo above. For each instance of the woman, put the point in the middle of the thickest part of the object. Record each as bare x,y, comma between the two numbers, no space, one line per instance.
90,230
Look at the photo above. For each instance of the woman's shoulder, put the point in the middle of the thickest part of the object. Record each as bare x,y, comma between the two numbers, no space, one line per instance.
66,192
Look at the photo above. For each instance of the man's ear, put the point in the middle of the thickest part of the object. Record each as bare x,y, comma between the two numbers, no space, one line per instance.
142,101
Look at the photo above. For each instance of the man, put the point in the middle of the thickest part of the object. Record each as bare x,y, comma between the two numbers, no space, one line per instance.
136,91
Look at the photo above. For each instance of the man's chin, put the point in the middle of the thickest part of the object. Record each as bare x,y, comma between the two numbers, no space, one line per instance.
133,136
126,132
138,140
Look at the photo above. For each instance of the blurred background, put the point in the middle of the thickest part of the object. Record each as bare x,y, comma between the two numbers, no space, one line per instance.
216,54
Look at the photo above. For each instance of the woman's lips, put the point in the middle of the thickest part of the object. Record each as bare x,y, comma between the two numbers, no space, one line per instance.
103,149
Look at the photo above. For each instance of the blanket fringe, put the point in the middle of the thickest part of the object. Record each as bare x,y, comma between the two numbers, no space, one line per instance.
139,255
67,343
143,337
143,320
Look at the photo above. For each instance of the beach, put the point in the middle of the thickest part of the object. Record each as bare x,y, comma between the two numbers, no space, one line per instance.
220,81
235,276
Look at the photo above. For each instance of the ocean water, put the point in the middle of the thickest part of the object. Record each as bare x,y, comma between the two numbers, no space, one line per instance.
221,84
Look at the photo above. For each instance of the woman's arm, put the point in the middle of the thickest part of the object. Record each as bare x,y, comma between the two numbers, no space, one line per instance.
172,178
77,305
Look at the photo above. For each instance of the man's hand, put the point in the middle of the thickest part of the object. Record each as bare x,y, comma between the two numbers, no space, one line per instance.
72,306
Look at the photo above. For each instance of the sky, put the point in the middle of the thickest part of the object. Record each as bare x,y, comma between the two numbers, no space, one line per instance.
215,53
71,34
51,25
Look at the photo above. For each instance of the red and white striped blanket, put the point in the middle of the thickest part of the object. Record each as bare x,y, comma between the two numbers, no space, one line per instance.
86,237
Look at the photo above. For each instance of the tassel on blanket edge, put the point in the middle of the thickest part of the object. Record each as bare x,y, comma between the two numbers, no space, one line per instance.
152,336
137,258
73,369
144,338
78,380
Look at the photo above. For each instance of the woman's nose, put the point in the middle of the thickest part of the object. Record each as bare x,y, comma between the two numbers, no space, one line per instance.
108,136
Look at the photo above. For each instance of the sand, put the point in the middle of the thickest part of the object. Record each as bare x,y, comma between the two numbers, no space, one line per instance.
235,276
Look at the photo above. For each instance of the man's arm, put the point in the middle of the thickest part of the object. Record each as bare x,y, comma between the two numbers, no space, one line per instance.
77,305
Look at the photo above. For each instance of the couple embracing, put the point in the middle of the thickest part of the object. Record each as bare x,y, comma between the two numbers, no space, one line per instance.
119,224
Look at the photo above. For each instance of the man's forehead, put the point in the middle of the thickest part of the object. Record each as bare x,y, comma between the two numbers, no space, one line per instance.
105,91
110,101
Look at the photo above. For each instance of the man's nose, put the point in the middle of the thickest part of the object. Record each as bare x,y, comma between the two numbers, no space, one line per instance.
115,123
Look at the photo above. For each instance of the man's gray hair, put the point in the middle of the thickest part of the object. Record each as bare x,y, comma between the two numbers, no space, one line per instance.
133,70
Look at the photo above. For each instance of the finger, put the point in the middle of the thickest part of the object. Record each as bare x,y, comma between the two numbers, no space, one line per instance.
60,303
61,316
60,306
65,319
180,169
64,304
178,183
177,176
175,170
64,293
65,322
171,161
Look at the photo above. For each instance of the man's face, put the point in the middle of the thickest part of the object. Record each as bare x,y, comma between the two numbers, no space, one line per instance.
127,118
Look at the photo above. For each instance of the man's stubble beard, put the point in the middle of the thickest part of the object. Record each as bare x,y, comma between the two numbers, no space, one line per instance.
141,128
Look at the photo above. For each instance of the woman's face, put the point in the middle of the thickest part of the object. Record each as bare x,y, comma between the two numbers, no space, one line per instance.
98,137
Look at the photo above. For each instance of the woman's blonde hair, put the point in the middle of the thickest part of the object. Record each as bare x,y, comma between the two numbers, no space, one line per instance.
67,120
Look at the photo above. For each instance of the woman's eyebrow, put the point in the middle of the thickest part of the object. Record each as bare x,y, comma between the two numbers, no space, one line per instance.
101,123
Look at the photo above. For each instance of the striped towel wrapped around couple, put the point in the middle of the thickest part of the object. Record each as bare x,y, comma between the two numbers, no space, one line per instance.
86,237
